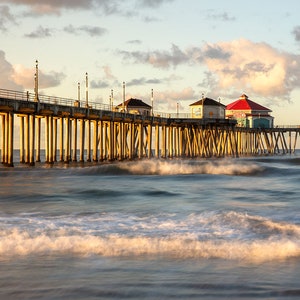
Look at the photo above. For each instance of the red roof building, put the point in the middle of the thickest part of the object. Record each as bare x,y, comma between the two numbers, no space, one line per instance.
249,113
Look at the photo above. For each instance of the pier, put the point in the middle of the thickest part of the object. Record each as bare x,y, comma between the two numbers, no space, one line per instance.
70,130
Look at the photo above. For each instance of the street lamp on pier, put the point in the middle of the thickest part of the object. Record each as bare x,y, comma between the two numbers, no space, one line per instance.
78,93
112,99
152,101
86,90
124,96
36,82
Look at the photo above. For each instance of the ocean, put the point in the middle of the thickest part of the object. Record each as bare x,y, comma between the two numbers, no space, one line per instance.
226,228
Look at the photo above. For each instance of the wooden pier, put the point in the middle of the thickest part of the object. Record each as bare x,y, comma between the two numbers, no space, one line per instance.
72,131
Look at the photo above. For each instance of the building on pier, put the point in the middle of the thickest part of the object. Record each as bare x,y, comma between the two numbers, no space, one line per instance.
207,108
249,114
135,106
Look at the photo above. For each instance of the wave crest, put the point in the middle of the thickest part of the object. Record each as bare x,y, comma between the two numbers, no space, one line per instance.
21,244
226,235
184,167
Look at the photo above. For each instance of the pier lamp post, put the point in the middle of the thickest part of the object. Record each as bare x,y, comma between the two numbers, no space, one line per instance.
123,96
177,109
86,90
112,99
152,101
36,82
78,94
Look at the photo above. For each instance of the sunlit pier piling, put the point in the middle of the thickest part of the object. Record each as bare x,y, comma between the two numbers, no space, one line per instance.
76,131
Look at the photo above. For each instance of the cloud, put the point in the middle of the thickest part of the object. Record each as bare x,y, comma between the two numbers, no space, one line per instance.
5,18
254,67
134,42
40,32
233,67
108,80
108,73
18,77
167,100
225,17
152,3
100,84
7,74
25,77
159,59
108,7
55,6
142,81
215,52
90,30
296,33
153,81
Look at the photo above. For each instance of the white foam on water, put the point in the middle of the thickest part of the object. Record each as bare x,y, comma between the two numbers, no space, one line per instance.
21,244
175,167
226,235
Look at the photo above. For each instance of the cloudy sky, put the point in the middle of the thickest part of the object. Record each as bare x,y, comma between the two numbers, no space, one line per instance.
181,49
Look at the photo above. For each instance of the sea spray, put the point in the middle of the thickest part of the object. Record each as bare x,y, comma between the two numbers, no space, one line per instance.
226,235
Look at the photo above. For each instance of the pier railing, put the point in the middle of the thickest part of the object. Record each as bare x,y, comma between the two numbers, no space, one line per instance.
27,96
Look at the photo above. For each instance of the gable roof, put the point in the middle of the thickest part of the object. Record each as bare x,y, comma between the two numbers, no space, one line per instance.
132,102
244,103
207,101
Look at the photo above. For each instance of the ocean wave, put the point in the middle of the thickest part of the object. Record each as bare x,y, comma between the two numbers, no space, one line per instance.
226,235
176,167
22,244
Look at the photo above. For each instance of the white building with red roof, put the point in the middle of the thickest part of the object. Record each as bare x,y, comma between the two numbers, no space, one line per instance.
249,113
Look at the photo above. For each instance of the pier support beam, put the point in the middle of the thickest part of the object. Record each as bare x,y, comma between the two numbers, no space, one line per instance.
82,138
67,140
32,140
10,137
74,153
88,141
95,141
22,160
38,140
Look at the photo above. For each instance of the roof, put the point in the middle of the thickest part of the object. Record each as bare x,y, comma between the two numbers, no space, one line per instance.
135,103
244,103
207,101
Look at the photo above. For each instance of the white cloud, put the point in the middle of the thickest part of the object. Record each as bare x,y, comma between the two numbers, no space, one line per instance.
7,74
25,77
233,67
256,68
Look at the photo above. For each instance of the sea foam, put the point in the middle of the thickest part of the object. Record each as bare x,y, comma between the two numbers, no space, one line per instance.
222,235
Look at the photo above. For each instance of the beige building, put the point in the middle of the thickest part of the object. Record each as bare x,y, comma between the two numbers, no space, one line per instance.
207,108
135,106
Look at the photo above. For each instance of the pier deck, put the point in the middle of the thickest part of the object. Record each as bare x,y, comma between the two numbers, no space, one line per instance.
69,130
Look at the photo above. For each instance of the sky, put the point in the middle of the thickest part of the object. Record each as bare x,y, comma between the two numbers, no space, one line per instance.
182,49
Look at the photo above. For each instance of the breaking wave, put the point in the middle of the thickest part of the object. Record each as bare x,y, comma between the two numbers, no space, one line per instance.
224,235
176,167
